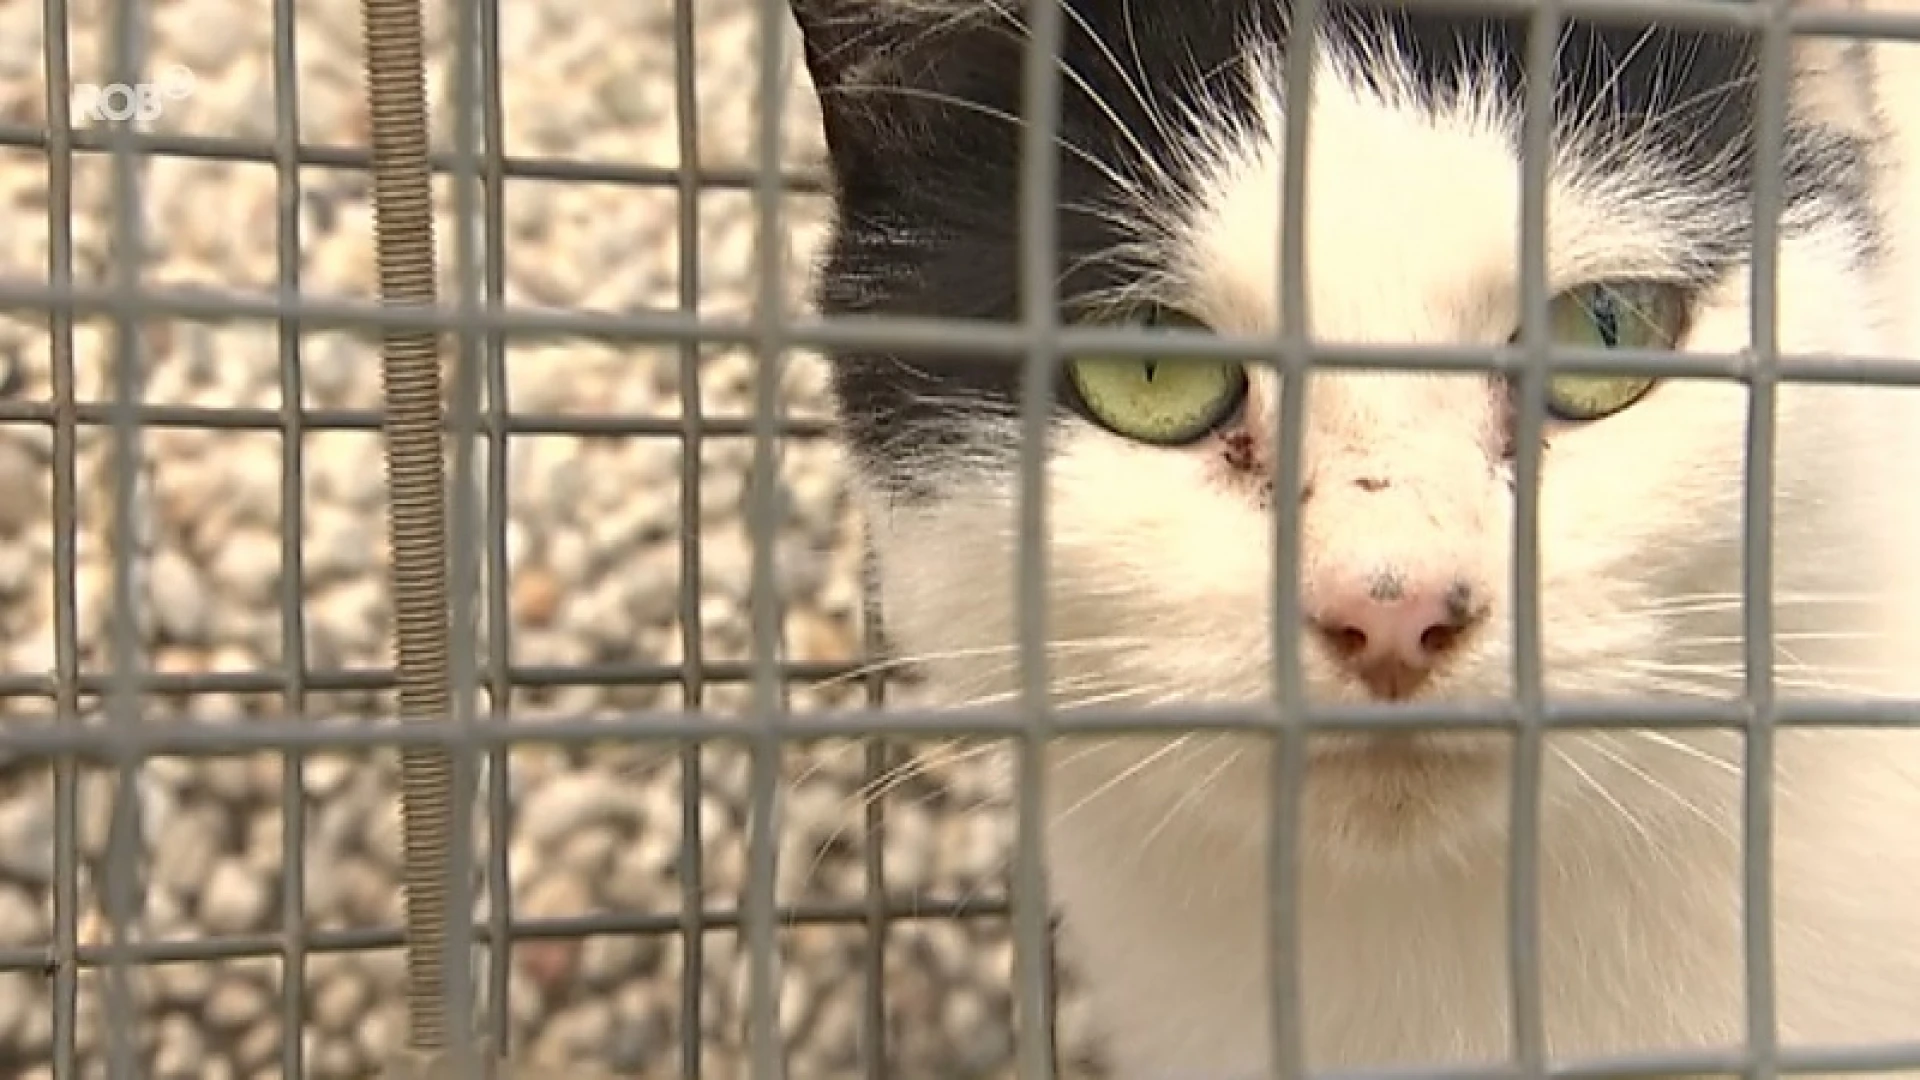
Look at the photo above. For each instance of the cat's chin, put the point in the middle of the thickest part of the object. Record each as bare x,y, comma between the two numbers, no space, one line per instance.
1405,800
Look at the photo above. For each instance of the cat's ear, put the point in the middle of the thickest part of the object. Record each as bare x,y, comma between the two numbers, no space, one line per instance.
880,69
845,44
832,33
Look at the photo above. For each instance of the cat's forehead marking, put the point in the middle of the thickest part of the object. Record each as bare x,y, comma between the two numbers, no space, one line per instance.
1412,217
1413,194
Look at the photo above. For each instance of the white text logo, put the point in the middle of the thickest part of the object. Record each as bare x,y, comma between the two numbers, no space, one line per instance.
139,103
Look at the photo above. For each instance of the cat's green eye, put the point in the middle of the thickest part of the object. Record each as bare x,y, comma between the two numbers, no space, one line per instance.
1165,402
1611,315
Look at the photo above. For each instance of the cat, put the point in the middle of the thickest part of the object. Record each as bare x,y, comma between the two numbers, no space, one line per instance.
1161,479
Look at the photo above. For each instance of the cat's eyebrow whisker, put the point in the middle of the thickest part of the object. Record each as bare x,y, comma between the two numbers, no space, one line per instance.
1602,99
1141,278
1111,174
1106,109
1127,78
1738,82
1145,158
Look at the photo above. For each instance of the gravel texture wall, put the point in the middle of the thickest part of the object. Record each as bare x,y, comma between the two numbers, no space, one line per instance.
594,551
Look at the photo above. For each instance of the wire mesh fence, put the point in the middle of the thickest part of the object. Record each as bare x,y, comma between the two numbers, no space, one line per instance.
614,549
697,848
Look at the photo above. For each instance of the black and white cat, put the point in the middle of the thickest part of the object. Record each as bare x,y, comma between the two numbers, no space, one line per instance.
1161,478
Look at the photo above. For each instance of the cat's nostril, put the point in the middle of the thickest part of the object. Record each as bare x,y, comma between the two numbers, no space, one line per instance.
1345,640
1439,638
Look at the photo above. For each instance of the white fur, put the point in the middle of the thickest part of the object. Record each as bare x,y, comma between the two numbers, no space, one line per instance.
1159,592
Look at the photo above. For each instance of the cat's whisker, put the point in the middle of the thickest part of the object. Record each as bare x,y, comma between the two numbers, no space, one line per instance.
1640,683
1112,643
1119,779
1736,673
919,764
1780,638
992,674
1786,663
1711,603
1171,749
1202,786
1705,757
1594,785
1605,748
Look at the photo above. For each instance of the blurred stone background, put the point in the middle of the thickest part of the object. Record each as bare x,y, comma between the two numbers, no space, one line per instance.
593,545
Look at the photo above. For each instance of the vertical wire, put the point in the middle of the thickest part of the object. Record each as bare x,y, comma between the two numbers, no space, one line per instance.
499,614
1284,961
127,49
692,653
464,561
763,510
1039,183
1770,115
293,637
66,636
874,1019
1523,856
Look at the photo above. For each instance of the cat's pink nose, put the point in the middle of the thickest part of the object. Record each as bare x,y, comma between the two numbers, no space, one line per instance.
1392,634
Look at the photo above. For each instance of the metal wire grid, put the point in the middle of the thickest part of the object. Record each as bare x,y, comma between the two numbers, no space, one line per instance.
481,323
69,686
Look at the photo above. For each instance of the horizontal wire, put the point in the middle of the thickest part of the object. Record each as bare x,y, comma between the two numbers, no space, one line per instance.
907,907
1004,342
185,738
262,152
263,680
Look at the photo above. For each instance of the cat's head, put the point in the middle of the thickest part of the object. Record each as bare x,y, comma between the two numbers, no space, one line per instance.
1161,475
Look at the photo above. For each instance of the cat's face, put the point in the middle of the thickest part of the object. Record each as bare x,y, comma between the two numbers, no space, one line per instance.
1161,478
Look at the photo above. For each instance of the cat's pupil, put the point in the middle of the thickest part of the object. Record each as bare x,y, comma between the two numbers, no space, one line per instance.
1606,318
1151,367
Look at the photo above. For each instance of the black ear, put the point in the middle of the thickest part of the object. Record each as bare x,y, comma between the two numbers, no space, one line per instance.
882,68
840,40
836,35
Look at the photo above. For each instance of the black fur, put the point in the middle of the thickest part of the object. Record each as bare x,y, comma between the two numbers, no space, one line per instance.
928,189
